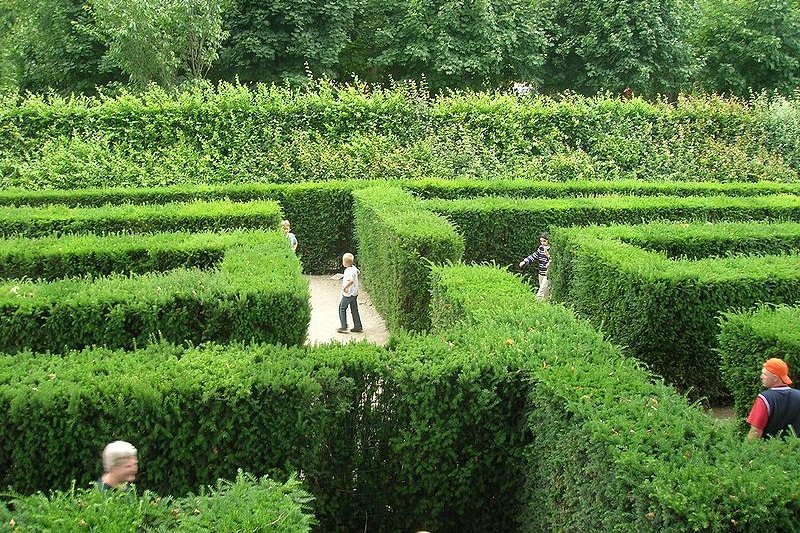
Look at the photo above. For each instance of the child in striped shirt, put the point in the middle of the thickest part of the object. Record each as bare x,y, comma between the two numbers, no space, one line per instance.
541,257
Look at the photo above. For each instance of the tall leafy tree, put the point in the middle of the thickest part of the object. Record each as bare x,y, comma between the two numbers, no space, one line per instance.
749,44
49,49
8,70
161,41
599,45
276,39
453,43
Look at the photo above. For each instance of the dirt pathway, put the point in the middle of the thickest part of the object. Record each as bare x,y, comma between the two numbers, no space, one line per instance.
325,315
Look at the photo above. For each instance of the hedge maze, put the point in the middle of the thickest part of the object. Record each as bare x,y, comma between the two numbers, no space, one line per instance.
175,318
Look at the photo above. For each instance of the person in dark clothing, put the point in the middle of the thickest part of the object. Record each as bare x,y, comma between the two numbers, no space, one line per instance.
776,411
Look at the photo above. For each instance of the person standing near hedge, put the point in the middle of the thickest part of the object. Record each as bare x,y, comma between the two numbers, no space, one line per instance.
287,230
542,258
120,465
776,409
350,286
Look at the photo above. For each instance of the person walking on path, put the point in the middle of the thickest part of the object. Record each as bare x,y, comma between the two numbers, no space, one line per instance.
542,258
350,286
776,409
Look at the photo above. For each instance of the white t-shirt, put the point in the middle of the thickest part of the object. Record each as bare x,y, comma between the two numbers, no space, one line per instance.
350,273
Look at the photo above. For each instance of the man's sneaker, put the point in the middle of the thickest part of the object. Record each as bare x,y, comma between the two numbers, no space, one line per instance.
343,330
356,330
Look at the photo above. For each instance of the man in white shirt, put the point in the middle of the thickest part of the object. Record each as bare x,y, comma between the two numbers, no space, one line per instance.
350,286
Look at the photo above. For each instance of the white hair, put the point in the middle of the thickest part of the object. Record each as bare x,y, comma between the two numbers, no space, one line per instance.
115,451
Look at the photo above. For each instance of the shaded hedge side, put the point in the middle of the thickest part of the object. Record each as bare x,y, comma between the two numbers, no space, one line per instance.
660,292
505,230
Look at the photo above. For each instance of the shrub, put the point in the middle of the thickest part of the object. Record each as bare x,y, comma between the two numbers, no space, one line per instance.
665,310
255,293
192,216
246,504
397,241
505,229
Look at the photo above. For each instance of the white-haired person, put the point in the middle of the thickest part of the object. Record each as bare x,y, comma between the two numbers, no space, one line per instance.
120,465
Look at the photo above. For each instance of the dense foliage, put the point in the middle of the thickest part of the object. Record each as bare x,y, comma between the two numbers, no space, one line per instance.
748,45
246,504
233,134
610,45
587,46
506,229
398,239
664,309
125,293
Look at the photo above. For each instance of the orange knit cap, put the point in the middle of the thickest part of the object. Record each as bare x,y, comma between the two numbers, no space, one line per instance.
779,368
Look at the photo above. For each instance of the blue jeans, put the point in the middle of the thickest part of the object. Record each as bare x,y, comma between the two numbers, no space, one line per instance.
352,303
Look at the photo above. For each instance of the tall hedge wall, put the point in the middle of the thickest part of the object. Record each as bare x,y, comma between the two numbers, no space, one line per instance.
609,449
747,339
397,242
321,213
435,432
506,229
235,134
665,311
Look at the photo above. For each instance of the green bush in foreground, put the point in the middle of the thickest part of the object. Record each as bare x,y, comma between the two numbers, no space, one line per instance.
607,448
246,504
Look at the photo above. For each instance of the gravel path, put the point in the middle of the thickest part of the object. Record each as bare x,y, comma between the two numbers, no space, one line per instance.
325,299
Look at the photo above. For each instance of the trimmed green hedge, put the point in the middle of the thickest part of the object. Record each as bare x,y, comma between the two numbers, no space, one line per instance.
505,230
320,213
256,292
193,216
436,432
236,134
687,240
246,504
397,242
52,258
748,339
410,437
665,311
528,188
608,449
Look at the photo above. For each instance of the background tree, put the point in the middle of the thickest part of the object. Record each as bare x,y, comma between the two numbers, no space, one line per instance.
160,41
599,45
749,44
272,40
8,70
453,43
48,48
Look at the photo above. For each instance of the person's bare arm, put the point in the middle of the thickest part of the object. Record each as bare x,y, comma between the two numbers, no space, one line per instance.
754,433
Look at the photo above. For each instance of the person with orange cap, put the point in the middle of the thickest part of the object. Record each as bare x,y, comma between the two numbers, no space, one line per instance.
776,409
